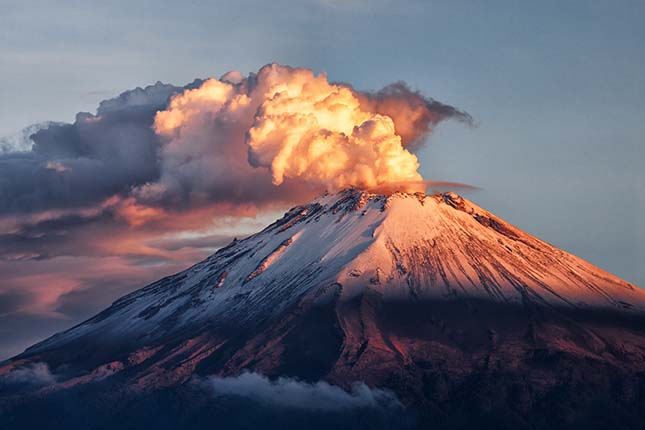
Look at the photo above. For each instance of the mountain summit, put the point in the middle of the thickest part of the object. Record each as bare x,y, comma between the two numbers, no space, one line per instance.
429,296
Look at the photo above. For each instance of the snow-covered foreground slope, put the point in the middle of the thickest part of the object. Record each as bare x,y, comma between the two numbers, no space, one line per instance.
430,296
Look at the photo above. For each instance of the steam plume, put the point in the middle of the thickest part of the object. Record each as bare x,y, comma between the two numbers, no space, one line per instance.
299,126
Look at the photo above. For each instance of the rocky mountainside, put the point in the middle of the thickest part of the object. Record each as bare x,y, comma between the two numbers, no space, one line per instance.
465,317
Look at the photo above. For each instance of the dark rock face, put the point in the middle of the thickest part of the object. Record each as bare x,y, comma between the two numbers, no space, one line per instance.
500,366
453,365
395,315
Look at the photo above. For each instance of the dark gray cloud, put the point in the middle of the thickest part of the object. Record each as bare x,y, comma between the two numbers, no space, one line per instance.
81,164
292,393
414,114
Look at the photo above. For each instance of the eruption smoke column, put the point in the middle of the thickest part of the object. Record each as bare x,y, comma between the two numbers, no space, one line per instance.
316,131
299,126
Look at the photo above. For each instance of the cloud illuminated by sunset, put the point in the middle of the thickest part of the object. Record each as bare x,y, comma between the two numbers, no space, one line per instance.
300,126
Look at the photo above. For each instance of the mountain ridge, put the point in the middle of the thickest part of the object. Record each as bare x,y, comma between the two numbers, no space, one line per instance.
358,203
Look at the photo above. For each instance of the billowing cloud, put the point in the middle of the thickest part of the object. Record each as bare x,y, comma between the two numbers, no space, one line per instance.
292,393
271,138
295,126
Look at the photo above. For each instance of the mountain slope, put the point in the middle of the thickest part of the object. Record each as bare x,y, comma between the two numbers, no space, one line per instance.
430,296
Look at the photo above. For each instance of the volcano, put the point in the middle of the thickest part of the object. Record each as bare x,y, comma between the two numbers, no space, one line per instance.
466,318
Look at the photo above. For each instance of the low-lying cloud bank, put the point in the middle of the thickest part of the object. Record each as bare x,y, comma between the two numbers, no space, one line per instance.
243,402
35,374
292,393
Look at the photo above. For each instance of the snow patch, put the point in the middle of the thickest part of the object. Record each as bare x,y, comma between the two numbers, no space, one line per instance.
270,259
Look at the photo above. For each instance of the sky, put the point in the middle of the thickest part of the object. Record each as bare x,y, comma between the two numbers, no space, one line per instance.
556,90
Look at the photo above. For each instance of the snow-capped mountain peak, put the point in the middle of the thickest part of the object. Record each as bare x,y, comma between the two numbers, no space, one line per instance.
403,247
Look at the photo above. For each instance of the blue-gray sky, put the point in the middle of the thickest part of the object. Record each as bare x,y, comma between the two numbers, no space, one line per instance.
557,89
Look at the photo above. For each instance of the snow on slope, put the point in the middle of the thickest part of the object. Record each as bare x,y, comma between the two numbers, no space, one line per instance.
407,247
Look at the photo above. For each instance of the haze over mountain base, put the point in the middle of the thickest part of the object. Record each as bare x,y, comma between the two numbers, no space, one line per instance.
449,315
